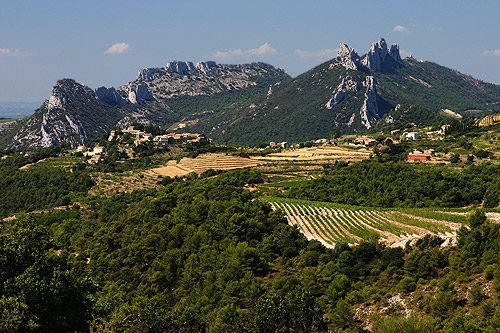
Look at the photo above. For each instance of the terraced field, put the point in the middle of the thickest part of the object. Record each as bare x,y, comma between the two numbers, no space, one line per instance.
203,163
319,154
331,223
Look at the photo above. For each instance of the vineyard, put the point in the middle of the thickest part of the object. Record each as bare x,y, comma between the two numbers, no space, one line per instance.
333,223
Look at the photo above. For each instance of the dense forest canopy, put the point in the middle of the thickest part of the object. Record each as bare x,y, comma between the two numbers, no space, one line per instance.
205,253
394,184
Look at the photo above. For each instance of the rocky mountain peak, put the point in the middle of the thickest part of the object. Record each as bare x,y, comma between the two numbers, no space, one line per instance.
180,67
348,57
394,51
378,53
109,95
64,90
147,74
206,66
139,94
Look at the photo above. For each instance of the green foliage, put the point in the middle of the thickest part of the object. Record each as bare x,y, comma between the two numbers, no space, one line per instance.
455,158
296,312
407,285
40,187
476,294
390,184
410,324
203,255
37,288
15,317
407,115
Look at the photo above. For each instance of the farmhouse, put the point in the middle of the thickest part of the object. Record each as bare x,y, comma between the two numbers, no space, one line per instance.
364,140
98,149
81,149
284,145
418,156
413,136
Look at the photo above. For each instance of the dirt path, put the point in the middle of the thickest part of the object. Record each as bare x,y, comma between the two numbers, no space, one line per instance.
452,225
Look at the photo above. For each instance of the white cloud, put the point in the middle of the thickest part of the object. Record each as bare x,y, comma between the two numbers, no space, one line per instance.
118,48
15,53
494,53
263,50
399,28
326,53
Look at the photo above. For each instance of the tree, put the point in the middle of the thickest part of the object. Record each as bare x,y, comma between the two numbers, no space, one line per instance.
482,154
297,311
455,158
37,285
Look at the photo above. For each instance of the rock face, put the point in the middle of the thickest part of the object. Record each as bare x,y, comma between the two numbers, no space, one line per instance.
109,95
394,52
346,86
180,67
50,125
378,53
139,94
206,67
181,78
369,111
348,57
147,74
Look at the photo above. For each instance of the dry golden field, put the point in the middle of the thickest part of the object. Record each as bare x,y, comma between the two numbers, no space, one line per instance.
203,163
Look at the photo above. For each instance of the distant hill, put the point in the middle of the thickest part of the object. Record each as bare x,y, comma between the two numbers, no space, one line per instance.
350,93
17,109
76,114
249,103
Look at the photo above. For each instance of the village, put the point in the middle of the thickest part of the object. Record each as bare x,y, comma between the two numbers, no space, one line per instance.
412,136
140,137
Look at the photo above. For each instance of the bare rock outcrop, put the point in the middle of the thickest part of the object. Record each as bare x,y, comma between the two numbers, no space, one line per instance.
139,94
180,67
147,74
378,53
369,111
206,66
394,51
347,85
348,58
108,95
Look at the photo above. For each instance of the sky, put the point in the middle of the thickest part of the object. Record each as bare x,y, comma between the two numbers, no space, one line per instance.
105,42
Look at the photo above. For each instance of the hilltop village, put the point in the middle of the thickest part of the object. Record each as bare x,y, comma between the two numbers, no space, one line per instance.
422,141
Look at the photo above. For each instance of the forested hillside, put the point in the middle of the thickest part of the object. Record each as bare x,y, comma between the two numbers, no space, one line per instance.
394,184
203,255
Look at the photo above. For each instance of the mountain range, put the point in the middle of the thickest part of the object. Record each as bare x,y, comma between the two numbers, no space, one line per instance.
255,102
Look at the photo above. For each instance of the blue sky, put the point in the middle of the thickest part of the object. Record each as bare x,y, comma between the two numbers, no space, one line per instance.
106,42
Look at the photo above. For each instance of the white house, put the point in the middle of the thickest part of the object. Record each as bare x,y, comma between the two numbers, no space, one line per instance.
413,136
